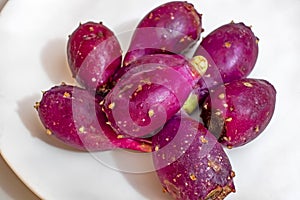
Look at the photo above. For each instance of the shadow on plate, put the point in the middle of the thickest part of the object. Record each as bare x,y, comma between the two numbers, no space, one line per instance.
31,121
124,32
148,185
138,171
54,61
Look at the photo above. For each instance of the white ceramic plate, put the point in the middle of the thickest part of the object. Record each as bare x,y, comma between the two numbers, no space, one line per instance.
33,36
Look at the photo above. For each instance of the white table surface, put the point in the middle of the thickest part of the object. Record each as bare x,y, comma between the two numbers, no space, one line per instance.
11,187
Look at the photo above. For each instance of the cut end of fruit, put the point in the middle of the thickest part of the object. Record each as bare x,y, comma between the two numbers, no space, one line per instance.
191,104
200,64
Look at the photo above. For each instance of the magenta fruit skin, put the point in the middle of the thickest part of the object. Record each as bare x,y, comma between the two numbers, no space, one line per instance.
242,113
189,161
74,116
148,92
94,54
234,50
170,28
231,51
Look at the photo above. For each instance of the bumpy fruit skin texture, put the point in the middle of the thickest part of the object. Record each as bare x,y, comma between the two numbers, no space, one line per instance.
94,54
149,92
190,163
74,116
169,28
231,52
239,115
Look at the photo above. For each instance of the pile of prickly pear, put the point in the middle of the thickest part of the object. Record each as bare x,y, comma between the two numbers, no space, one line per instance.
144,100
